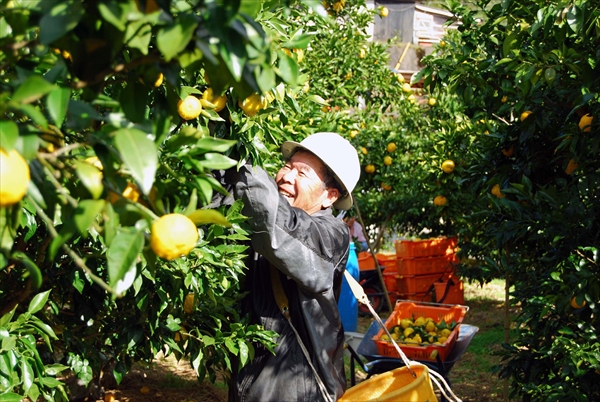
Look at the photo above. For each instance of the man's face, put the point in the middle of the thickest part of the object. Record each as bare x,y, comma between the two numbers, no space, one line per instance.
300,181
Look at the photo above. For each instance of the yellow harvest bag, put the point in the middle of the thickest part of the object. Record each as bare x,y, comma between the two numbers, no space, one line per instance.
396,385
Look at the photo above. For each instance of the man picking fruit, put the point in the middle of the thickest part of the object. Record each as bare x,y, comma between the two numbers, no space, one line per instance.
295,277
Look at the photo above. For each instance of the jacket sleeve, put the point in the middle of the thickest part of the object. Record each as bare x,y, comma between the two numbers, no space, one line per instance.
307,248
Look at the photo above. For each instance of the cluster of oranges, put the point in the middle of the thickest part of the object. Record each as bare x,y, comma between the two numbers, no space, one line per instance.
420,330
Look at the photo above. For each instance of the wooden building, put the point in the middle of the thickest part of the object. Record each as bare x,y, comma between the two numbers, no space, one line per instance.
416,27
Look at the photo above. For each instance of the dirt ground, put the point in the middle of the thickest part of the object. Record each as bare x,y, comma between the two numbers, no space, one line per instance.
172,381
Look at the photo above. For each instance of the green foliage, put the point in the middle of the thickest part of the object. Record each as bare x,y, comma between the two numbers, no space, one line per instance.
89,97
541,231
23,372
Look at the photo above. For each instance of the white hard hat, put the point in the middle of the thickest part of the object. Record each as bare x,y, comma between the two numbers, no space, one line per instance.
337,154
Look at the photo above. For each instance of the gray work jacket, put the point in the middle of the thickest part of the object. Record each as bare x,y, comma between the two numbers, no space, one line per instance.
310,252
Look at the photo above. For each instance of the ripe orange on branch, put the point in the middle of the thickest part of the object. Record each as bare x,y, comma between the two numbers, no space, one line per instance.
189,108
387,160
440,201
448,166
370,169
173,236
219,101
585,123
525,114
391,147
253,104
14,177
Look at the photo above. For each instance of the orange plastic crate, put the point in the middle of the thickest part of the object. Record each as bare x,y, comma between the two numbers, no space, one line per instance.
426,247
386,260
418,283
426,265
365,261
414,310
391,280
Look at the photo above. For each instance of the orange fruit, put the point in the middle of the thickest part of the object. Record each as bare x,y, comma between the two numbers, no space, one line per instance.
440,200
509,152
173,235
218,100
364,151
189,302
370,169
574,303
384,12
144,390
571,166
504,99
431,102
406,87
525,114
109,398
362,54
253,104
585,123
391,147
387,160
159,80
353,133
189,108
14,177
386,186
497,192
448,166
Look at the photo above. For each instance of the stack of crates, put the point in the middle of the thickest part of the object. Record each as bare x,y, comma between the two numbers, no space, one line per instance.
421,263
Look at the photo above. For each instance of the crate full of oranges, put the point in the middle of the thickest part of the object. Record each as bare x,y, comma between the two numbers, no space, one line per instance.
423,331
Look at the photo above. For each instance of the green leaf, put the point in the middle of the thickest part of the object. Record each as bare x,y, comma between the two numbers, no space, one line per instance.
122,256
138,35
11,397
8,343
243,355
204,216
50,382
35,114
27,375
214,161
34,392
9,132
34,273
86,213
91,177
215,144
193,204
133,99
114,14
38,302
139,154
32,89
62,18
318,100
250,7
173,39
58,103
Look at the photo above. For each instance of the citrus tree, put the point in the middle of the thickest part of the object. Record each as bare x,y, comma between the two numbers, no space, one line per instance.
526,74
115,115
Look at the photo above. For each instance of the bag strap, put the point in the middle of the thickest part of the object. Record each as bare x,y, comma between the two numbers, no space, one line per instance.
283,304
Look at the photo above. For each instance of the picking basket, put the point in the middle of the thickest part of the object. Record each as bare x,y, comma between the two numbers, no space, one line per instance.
426,247
422,351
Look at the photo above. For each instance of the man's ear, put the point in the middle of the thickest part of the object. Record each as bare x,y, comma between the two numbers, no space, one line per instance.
332,196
